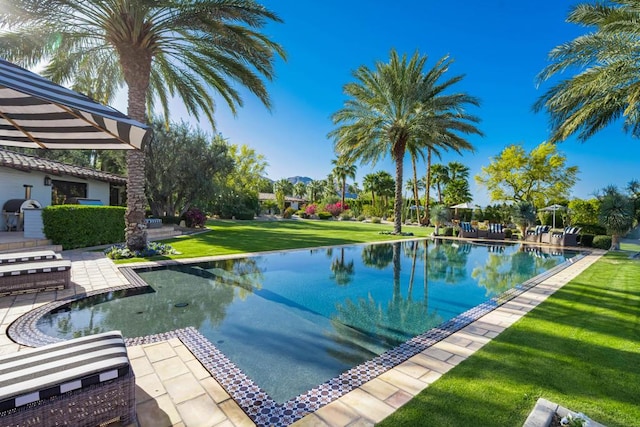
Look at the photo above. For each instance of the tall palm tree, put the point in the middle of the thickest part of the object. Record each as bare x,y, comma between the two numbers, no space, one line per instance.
282,188
369,183
160,49
314,189
457,171
299,189
342,170
439,177
605,87
391,106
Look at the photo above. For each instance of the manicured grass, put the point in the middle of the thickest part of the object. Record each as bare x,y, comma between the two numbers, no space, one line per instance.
580,349
631,247
232,237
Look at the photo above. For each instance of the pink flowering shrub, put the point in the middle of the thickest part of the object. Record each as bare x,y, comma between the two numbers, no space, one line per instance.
336,209
311,209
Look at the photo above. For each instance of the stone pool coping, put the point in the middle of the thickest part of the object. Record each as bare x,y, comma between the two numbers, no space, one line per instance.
324,398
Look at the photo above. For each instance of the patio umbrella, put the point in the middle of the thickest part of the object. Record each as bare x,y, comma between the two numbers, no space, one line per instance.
553,208
37,113
463,206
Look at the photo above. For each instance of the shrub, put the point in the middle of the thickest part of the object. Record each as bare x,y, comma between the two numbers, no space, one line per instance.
311,209
602,242
586,239
324,215
245,214
152,249
375,220
591,228
74,226
334,209
170,219
194,218
447,231
288,213
361,218
346,215
508,233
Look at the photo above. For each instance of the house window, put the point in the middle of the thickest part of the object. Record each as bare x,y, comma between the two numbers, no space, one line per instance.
63,190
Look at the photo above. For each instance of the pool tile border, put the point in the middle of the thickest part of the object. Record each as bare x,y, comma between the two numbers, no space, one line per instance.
258,405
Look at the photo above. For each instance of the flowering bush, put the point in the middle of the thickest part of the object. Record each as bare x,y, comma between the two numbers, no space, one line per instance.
336,209
153,248
311,209
195,218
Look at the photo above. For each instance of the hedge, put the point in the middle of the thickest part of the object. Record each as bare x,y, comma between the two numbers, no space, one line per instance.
77,226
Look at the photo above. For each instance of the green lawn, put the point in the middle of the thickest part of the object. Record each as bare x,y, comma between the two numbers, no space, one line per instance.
232,237
580,349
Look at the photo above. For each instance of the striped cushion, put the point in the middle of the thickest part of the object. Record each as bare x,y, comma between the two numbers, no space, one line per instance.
36,374
34,267
12,258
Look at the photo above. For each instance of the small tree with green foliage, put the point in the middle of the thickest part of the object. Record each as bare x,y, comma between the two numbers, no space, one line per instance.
538,176
440,215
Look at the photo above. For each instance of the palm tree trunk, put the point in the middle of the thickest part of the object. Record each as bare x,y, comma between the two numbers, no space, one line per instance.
344,188
416,196
615,242
427,190
397,205
137,70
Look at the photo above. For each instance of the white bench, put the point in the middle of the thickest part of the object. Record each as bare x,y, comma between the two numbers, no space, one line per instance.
85,381
18,257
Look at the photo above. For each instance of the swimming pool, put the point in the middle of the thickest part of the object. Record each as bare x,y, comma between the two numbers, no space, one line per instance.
293,320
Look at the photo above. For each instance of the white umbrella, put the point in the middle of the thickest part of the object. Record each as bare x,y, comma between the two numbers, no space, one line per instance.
37,113
465,206
553,208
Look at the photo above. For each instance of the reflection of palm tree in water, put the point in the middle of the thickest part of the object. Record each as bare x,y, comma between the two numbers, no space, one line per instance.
367,325
377,256
342,271
448,261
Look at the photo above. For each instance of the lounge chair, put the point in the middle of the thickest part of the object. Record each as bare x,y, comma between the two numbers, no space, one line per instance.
467,231
85,381
495,231
535,235
567,237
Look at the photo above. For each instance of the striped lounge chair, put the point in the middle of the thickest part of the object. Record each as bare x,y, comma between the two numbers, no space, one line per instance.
535,235
466,230
568,237
495,231
85,381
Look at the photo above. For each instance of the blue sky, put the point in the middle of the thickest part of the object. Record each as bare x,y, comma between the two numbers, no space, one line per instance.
499,45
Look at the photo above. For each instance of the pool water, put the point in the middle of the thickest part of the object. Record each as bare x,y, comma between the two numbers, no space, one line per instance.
295,319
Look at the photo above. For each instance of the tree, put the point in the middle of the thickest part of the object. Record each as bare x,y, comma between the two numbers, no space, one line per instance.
456,188
300,189
439,178
440,214
536,177
342,170
584,211
616,214
238,190
160,50
182,163
523,214
282,188
392,106
370,183
633,188
314,190
605,88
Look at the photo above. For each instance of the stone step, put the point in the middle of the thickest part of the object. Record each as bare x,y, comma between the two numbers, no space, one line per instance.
29,245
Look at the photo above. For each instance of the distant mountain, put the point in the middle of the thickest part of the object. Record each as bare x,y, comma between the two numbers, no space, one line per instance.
294,179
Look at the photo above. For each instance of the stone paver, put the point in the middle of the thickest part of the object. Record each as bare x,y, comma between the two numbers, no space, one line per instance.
174,389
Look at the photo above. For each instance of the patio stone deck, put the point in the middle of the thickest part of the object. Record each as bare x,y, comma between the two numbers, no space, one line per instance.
174,389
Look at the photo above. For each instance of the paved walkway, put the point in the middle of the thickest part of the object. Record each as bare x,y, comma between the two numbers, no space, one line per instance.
173,388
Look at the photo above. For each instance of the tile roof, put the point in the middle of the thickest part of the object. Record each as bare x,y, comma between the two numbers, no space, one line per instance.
26,162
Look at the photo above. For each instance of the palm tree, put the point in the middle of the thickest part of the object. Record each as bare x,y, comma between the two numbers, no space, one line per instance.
394,105
616,214
343,170
159,49
369,183
282,188
314,189
386,188
457,171
523,215
605,88
299,189
439,177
